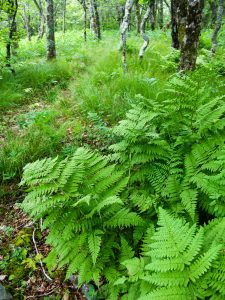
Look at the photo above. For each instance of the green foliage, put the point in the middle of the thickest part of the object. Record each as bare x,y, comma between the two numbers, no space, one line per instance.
173,147
86,192
170,161
182,263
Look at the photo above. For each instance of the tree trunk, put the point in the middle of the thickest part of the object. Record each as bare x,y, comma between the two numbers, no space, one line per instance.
213,8
138,17
26,18
120,13
152,14
182,19
189,47
144,36
174,24
123,30
50,30
42,19
12,11
94,19
161,14
83,3
64,17
218,25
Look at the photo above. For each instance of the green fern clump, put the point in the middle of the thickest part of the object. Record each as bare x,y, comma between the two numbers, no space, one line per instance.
166,169
79,199
180,261
173,147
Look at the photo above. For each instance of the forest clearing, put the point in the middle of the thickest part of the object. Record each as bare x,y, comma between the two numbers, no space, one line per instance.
112,149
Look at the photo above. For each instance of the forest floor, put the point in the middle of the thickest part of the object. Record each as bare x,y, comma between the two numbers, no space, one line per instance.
50,109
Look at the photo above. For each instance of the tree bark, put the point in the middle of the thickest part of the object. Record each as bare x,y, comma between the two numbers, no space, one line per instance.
218,25
161,14
123,30
144,36
26,18
152,14
50,30
94,19
120,13
12,11
174,24
138,17
182,19
42,19
84,6
189,47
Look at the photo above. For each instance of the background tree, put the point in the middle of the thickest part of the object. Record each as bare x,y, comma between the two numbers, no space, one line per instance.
50,30
218,25
189,47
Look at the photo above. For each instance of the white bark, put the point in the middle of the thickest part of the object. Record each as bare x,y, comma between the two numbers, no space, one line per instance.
123,29
218,25
144,36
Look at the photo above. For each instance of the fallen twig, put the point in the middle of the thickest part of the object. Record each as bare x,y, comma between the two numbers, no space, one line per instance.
41,264
42,295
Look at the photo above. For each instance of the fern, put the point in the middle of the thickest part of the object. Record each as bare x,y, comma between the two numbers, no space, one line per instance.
167,168
181,266
78,207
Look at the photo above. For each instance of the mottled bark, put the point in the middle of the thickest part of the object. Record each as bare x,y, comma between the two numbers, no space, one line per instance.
94,19
50,30
12,11
144,36
120,13
218,25
182,7
161,14
138,17
26,19
189,47
42,19
174,24
83,3
153,14
123,30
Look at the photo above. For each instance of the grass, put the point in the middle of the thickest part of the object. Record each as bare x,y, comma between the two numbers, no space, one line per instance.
50,102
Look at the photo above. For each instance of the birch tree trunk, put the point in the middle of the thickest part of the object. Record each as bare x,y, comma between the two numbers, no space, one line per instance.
144,36
26,18
138,17
161,14
42,19
83,3
218,25
182,11
174,24
152,14
189,47
120,13
94,19
50,30
123,30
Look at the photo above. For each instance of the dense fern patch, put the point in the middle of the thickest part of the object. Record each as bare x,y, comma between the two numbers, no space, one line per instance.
166,172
